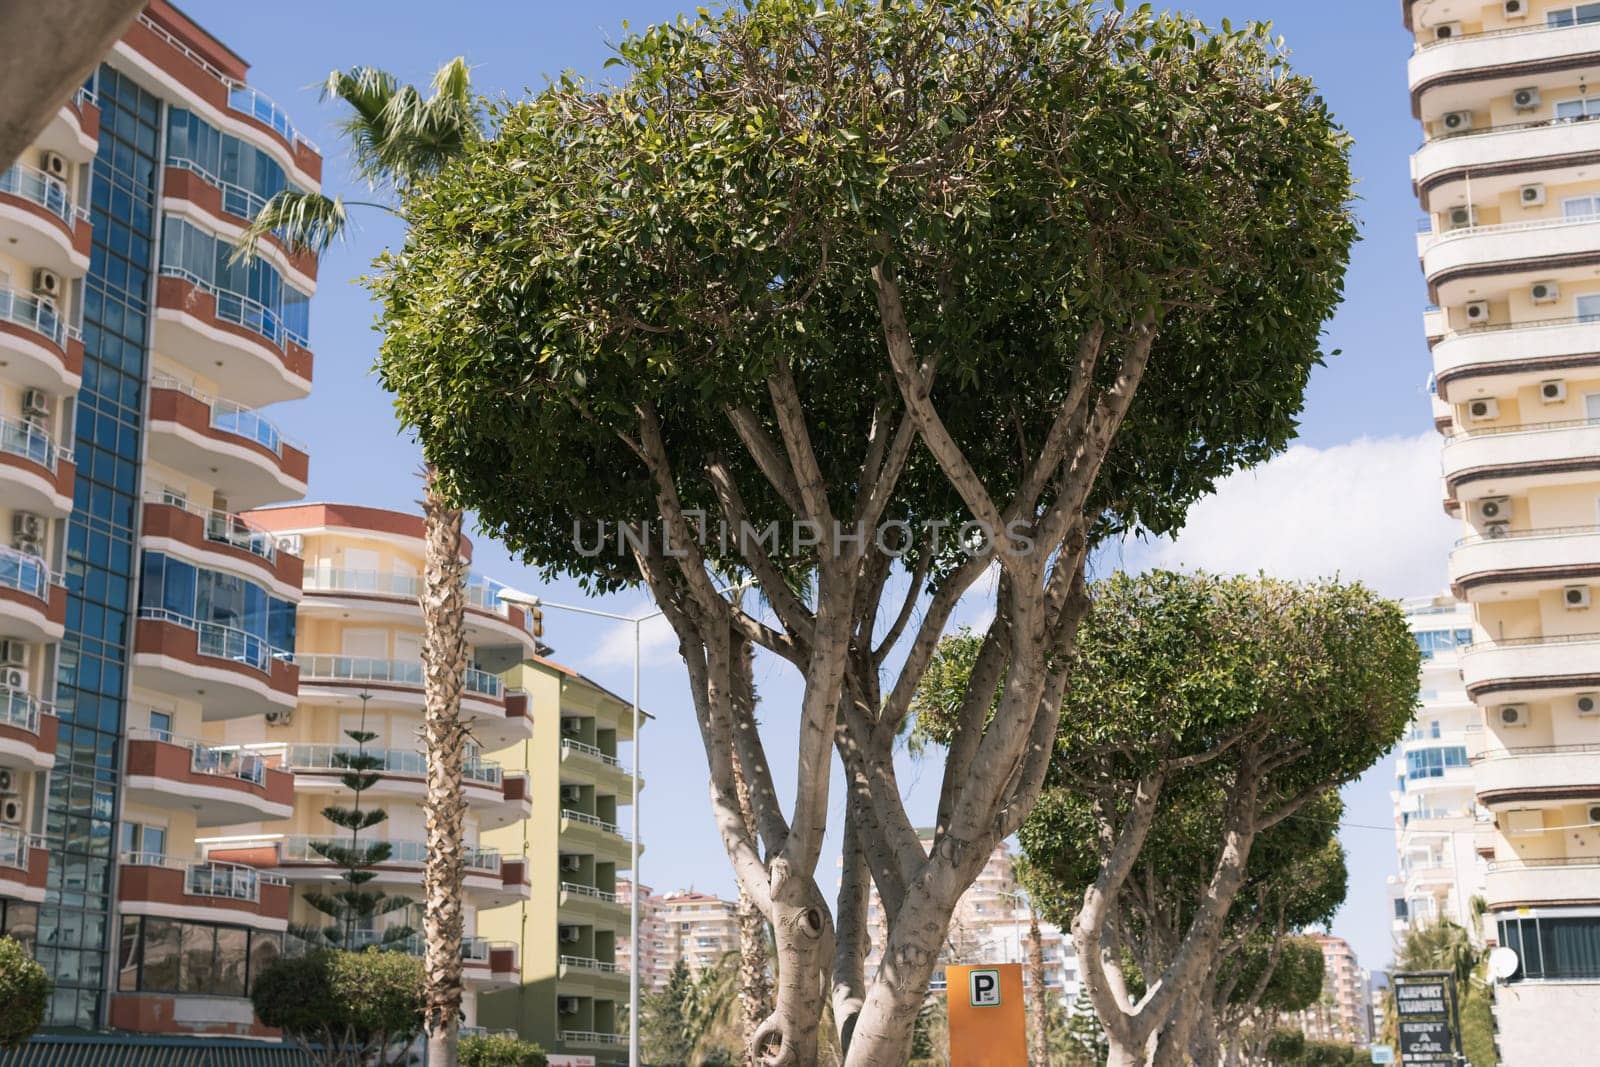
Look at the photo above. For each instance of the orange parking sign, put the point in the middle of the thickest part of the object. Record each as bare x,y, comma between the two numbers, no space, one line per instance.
988,1022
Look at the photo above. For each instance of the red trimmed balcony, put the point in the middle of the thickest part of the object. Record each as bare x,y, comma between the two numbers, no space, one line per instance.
33,602
23,865
221,442
40,351
201,890
44,227
236,673
28,729
397,685
199,327
226,205
36,474
74,130
224,785
218,537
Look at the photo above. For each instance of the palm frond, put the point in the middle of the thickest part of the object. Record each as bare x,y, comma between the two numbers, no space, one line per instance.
306,222
369,93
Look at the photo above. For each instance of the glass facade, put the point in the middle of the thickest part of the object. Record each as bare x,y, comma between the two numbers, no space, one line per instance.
1566,947
252,294
91,685
1432,642
1433,762
200,598
247,176
168,956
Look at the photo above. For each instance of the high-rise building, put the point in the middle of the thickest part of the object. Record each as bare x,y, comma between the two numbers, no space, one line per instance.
1343,1013
572,994
137,605
684,926
653,957
1436,816
1506,176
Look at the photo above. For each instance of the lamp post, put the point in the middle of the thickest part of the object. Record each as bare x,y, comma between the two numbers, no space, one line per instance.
514,596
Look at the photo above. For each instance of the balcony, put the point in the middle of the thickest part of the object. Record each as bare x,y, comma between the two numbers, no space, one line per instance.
483,961
588,901
494,624
594,1038
27,731
397,684
43,225
222,784
1504,460
318,768
231,208
235,673
1529,774
202,890
1513,254
485,876
33,600
36,474
1500,358
1501,158
39,349
1458,72
593,764
198,325
74,130
220,540
1543,882
224,444
1504,672
23,866
1524,561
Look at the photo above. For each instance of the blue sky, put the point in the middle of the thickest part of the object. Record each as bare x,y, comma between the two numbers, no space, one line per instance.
1358,496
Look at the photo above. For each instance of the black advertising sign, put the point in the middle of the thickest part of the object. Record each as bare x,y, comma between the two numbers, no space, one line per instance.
1425,1041
1419,997
1424,1004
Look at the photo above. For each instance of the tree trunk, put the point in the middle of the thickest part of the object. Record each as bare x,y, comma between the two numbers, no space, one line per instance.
444,660
755,985
1039,1009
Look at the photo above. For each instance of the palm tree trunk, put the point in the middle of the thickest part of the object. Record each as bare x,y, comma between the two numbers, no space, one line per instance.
1039,1010
444,661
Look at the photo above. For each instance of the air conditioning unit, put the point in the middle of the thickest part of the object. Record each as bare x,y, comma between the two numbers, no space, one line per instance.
1495,531
35,402
1483,408
1524,821
571,863
1594,814
8,780
1513,715
1495,509
1553,391
571,794
1477,312
567,1005
571,935
1532,195
281,717
1461,217
28,547
27,525
571,725
14,679
1575,597
54,164
1457,121
1526,98
1516,9
11,811
1588,703
289,543
1446,31
1545,292
13,653
46,283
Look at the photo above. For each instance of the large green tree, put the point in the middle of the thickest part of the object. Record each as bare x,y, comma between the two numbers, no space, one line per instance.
1205,713
889,293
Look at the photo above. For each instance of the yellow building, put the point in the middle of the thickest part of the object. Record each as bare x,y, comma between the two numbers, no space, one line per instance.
573,992
1507,174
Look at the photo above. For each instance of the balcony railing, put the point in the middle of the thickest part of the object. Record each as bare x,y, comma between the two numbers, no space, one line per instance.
1553,861
239,309
568,745
37,187
31,442
584,963
1532,324
208,878
13,848
225,527
344,580
590,1037
233,418
1513,227
1508,31
221,761
406,761
473,949
1523,427
589,891
594,821
37,315
297,848
318,666
25,573
21,710
220,641
1527,642
1518,535
1534,750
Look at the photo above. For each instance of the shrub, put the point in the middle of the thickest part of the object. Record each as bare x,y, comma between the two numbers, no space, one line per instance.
24,993
499,1050
343,1006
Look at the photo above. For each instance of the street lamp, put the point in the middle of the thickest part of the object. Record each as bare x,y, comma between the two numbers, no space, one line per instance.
513,596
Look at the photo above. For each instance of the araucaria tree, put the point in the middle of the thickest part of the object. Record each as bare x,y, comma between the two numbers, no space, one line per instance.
860,300
1204,714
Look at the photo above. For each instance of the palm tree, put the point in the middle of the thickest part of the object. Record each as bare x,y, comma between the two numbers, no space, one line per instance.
398,136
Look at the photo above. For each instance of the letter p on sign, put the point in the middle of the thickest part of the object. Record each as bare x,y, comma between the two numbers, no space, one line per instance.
988,1020
984,987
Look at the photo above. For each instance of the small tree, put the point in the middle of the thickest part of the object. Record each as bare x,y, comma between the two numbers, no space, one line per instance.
499,1050
665,1029
25,989
1084,1031
344,1009
354,906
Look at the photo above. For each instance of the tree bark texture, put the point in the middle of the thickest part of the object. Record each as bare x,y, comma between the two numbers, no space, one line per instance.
1039,1006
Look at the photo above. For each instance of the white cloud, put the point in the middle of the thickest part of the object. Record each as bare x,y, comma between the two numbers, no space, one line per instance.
657,644
1367,510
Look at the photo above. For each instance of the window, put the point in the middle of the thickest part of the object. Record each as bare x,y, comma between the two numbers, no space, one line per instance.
145,840
161,725
165,956
1434,641
1573,15
1589,307
1579,207
1433,762
1560,948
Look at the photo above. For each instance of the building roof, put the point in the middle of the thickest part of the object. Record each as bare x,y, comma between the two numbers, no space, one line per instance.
583,679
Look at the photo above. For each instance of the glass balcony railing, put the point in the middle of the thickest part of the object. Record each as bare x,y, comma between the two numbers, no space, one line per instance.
225,528
13,848
31,442
251,101
207,878
222,642
24,572
340,580
21,710
35,314
232,418
296,848
409,762
319,666
223,761
37,187
473,949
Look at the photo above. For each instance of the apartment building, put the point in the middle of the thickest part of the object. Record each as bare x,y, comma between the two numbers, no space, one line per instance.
1510,252
697,929
1344,1011
572,995
133,357
1437,821
653,955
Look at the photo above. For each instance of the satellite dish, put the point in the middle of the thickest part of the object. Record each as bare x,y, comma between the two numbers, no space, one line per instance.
1503,962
